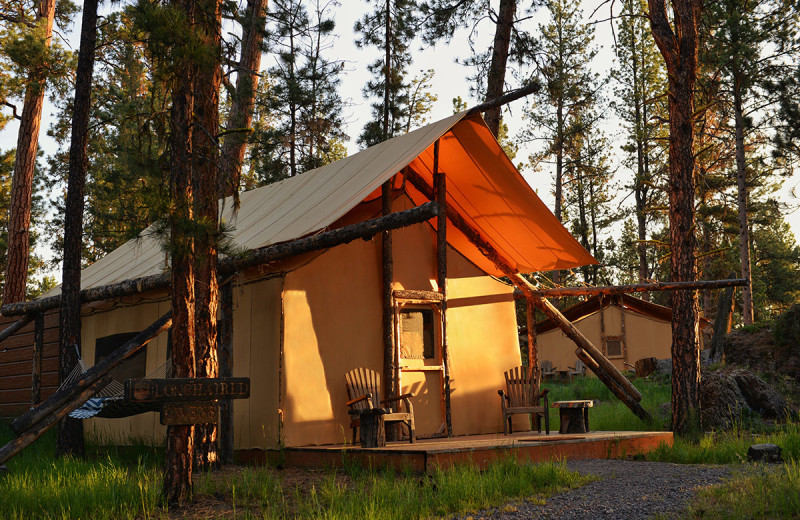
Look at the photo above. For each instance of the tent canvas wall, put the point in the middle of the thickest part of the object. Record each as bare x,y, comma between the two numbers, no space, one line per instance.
301,323
625,328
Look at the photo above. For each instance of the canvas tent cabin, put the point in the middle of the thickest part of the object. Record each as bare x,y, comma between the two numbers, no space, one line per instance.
300,323
626,329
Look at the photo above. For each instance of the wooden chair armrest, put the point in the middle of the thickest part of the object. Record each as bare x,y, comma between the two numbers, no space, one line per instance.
501,393
358,399
398,398
571,368
543,393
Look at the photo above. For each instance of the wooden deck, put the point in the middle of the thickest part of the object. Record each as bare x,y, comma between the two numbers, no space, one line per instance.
427,454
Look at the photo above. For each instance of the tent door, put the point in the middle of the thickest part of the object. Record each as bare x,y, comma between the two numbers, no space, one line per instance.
419,345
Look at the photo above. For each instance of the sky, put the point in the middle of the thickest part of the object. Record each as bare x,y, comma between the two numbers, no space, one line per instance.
449,81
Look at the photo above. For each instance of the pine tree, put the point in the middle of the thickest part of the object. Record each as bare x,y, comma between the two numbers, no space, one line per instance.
29,47
640,91
740,35
126,187
565,108
300,112
240,116
391,28
677,38
512,43
70,431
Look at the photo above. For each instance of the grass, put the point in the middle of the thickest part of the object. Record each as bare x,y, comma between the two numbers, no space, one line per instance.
125,483
766,493
610,414
385,495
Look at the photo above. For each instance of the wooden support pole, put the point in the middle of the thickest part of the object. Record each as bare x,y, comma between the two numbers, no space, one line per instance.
16,326
93,374
533,349
34,431
389,368
36,372
440,184
225,356
264,255
542,303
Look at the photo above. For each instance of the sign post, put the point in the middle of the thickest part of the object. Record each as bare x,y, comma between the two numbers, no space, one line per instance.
187,400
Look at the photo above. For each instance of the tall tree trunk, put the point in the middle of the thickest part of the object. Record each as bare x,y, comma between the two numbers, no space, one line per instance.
496,78
559,171
70,431
741,182
240,116
180,439
640,190
387,71
205,170
679,50
19,222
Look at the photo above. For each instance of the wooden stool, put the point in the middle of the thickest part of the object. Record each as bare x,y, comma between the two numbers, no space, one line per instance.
574,415
372,430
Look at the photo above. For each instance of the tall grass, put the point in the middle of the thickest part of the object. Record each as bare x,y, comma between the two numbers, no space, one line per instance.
729,447
766,493
385,495
38,485
610,414
125,483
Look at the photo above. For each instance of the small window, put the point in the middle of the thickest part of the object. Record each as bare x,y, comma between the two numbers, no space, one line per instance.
613,347
133,367
417,334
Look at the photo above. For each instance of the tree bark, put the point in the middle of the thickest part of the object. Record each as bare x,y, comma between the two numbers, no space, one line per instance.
180,446
679,49
741,182
19,221
205,169
70,431
240,117
496,79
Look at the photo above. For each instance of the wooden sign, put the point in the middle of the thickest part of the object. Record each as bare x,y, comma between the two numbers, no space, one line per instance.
181,414
186,389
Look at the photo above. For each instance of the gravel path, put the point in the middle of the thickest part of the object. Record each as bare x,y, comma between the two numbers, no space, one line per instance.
626,490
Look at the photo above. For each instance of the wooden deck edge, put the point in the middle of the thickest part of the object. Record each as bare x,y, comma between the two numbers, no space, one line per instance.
420,460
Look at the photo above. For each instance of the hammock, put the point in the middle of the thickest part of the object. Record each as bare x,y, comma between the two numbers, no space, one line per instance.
109,402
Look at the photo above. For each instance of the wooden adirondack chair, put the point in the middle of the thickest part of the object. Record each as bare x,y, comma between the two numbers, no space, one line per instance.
522,396
363,391
578,370
548,371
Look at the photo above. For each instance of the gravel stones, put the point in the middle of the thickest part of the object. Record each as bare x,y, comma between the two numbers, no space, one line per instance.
625,490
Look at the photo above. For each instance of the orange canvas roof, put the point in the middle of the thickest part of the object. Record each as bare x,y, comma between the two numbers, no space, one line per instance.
488,191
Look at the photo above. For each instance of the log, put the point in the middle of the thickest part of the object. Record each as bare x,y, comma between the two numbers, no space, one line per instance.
409,294
16,326
502,264
36,372
561,292
35,431
92,375
612,385
506,98
264,255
